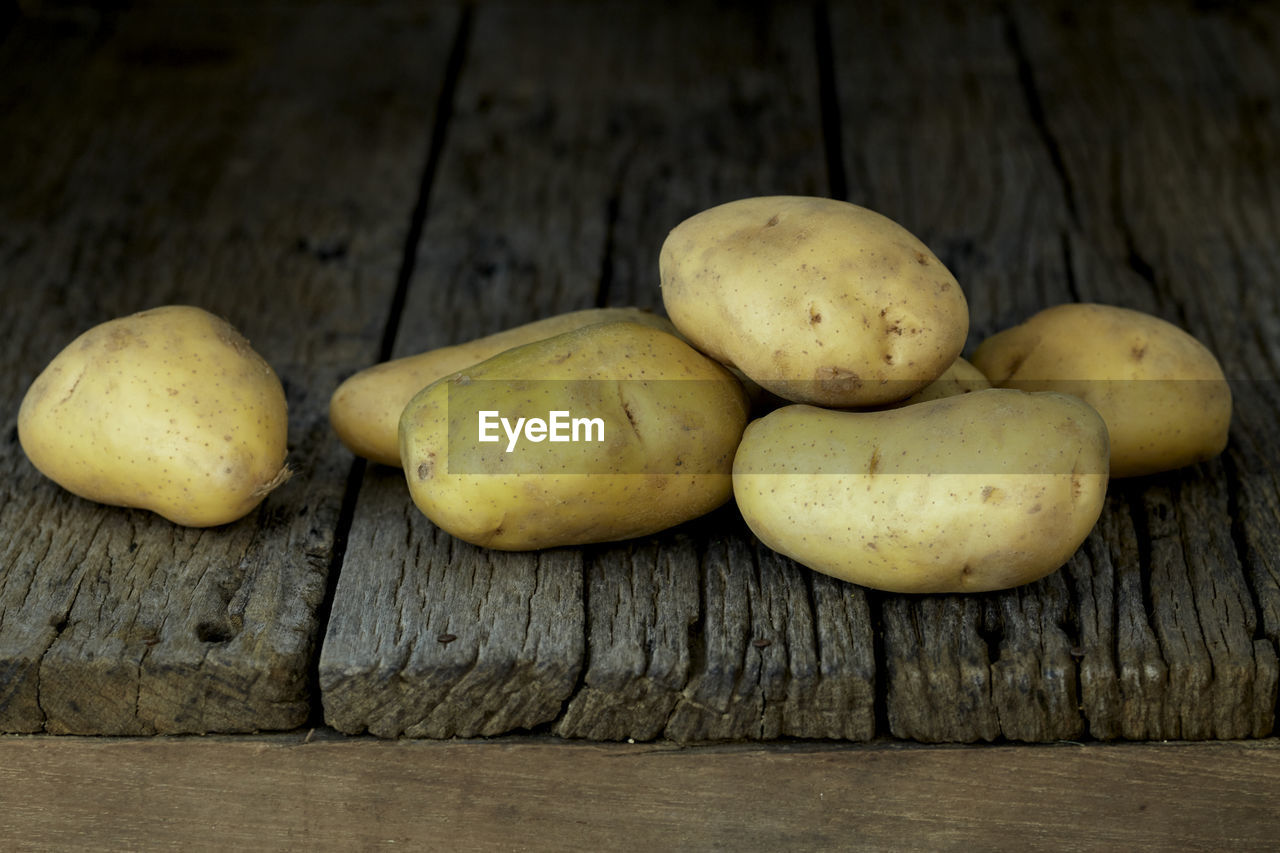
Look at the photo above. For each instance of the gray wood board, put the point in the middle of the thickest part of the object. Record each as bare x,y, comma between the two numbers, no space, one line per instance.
566,162
260,163
1049,155
1169,152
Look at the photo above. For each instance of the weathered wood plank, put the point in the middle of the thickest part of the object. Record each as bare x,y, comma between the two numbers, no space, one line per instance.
1122,673
567,160
781,652
641,590
253,162
1169,149
466,641
1026,146
265,793
733,641
937,136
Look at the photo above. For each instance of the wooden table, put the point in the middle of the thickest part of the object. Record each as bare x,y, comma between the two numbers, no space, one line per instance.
352,182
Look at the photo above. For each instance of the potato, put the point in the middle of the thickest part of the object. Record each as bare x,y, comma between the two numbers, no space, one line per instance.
960,378
168,410
660,423
365,409
970,493
1161,392
817,300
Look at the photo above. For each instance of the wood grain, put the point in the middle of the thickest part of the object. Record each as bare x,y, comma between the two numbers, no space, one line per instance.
565,164
1053,158
1144,176
938,135
252,162
318,793
464,641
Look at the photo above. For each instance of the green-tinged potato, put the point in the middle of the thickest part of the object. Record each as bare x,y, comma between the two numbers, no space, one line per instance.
975,492
960,378
647,427
365,409
168,410
819,301
1162,394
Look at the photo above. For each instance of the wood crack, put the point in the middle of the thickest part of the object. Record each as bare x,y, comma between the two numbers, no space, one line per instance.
1036,110
1137,513
1068,267
697,649
337,558
604,279
418,214
994,637
880,686
1253,562
589,557
59,629
829,103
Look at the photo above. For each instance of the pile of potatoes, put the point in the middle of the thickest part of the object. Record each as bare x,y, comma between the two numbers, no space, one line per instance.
811,370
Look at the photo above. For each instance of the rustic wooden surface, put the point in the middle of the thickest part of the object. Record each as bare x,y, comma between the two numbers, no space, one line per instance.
1122,154
349,182
169,155
563,167
326,792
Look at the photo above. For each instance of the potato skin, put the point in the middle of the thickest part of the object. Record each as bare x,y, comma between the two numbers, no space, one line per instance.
976,492
1161,392
168,410
672,419
819,301
365,409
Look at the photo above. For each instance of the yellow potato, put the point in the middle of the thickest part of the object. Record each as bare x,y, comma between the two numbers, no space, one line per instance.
365,409
975,492
819,301
648,431
960,378
1162,394
169,410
